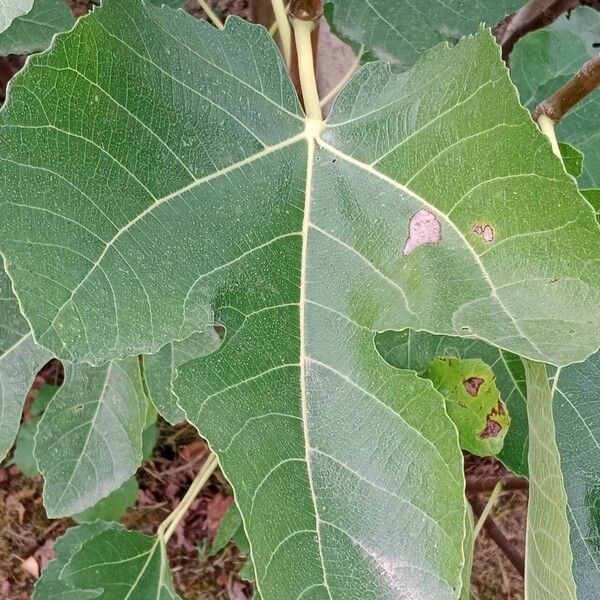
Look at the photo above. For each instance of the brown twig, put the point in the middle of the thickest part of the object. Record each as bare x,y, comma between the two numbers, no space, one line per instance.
487,484
585,81
534,15
495,534
261,12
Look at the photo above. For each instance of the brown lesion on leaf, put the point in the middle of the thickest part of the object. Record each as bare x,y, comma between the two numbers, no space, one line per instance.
484,231
423,228
492,427
472,385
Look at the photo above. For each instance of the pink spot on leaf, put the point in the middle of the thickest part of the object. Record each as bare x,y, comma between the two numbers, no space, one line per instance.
485,231
472,385
492,429
423,228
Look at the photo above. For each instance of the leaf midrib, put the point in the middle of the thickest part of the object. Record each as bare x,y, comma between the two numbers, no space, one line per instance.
310,141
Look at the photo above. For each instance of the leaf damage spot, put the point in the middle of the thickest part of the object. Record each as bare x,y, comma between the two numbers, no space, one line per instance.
472,385
485,231
423,228
492,429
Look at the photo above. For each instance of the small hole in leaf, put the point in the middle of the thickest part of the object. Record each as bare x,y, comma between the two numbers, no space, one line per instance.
78,408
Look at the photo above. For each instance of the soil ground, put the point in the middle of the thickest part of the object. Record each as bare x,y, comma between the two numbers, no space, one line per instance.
26,534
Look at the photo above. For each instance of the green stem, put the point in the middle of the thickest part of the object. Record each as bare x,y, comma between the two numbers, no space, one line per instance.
170,524
488,509
285,30
210,13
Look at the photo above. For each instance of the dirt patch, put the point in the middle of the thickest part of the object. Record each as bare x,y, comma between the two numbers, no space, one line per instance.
494,577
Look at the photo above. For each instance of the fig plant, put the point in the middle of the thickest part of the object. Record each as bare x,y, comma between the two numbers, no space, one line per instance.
160,176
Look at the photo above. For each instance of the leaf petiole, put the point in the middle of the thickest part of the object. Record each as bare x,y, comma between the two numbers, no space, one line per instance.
211,14
488,509
546,125
170,524
302,32
285,31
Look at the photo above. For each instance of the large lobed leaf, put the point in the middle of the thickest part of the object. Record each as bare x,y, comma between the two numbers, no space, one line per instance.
175,183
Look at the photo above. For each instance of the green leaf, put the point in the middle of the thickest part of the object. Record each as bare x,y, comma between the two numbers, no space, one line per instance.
415,350
180,197
400,31
11,9
50,586
231,522
577,422
247,574
149,439
113,506
572,159
548,564
42,399
23,455
543,61
33,32
473,403
593,197
160,369
20,359
89,441
240,539
122,565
